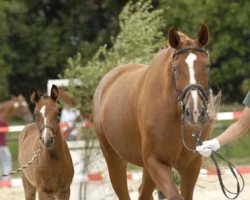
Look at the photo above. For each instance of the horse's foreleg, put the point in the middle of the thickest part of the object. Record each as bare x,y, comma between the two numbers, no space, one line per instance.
29,190
117,168
147,186
189,176
161,175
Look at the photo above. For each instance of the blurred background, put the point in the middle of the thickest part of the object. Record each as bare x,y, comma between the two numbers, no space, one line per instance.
81,40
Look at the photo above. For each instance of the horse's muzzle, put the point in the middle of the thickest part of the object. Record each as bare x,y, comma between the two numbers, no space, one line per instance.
48,142
195,117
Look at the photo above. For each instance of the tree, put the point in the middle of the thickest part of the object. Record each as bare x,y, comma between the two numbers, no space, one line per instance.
7,10
139,37
45,33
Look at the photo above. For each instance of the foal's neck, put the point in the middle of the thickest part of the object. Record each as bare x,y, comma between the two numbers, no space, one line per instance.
57,152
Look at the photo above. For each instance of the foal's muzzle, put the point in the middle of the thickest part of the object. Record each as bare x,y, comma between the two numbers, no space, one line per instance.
47,136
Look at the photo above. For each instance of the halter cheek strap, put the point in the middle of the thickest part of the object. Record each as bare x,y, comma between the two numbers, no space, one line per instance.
181,94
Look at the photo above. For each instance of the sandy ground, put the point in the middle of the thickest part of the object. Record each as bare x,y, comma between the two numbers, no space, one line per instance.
207,189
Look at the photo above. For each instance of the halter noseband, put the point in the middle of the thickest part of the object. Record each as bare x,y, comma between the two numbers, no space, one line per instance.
50,127
181,94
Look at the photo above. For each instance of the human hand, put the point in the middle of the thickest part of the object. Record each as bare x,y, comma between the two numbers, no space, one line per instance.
208,146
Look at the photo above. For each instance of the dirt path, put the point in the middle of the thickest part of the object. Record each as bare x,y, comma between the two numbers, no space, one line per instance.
207,189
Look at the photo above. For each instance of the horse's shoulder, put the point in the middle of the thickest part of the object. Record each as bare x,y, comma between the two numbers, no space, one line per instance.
29,128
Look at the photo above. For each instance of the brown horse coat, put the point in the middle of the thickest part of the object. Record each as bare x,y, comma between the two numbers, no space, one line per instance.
52,171
137,120
16,107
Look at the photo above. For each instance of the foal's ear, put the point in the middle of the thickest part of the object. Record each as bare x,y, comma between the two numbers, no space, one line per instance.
173,38
54,93
203,35
34,96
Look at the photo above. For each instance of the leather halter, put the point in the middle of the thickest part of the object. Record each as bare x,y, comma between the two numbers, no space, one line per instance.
50,127
182,94
179,51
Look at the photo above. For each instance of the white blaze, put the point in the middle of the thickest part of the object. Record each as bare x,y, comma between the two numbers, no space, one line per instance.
190,62
42,111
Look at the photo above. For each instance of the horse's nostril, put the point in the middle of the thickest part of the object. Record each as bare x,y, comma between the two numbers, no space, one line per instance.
187,112
203,112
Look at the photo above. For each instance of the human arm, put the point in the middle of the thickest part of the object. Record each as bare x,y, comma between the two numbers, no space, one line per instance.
237,129
232,133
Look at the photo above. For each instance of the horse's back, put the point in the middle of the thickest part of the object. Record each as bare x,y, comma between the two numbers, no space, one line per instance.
115,110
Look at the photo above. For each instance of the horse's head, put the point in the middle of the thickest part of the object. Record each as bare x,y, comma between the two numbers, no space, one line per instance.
46,114
190,69
21,109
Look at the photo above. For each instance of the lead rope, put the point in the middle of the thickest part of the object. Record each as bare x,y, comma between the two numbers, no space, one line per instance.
234,171
36,154
214,154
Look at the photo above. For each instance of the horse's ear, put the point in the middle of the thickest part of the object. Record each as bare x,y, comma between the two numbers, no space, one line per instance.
203,35
54,93
173,38
34,96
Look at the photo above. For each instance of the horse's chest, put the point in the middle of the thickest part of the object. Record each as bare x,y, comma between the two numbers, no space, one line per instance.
53,183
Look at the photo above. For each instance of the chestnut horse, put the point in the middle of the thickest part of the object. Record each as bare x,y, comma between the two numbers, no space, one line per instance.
52,172
16,107
153,116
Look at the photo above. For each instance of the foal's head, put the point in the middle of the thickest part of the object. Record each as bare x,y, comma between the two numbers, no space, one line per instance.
190,69
46,113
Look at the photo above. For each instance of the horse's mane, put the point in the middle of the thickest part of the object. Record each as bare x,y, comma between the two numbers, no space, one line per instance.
184,39
45,96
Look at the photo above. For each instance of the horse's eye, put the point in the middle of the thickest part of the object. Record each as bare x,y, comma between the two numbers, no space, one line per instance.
207,67
174,70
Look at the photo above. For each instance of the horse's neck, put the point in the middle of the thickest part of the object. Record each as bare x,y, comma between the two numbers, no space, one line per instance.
58,152
160,71
7,110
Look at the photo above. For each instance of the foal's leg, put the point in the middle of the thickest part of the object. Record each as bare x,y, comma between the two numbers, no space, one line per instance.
63,195
29,190
147,186
44,196
161,175
189,176
117,168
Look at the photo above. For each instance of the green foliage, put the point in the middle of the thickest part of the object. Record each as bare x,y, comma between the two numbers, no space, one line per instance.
138,39
7,10
43,34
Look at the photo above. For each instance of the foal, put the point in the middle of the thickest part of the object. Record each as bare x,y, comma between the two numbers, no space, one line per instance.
52,172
